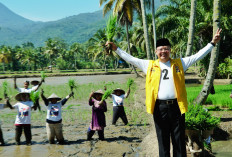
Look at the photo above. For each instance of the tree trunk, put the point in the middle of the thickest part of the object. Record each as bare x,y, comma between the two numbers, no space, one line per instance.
3,66
153,23
145,29
191,27
128,43
105,63
201,98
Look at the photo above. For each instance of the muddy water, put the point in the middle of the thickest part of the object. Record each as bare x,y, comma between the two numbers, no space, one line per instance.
120,140
222,148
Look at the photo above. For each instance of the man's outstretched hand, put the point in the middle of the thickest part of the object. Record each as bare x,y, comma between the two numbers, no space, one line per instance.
113,46
217,37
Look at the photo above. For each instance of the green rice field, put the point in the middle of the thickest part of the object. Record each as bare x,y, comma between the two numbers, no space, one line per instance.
220,98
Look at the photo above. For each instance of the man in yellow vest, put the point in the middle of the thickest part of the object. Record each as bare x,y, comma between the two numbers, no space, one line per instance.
166,96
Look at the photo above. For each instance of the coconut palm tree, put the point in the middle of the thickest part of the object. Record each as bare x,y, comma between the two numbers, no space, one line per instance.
201,98
54,48
75,50
153,23
145,28
96,48
138,33
191,27
5,56
173,20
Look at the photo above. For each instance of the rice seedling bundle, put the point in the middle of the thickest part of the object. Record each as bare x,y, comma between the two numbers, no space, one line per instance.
111,27
110,31
5,88
130,81
43,76
72,84
107,94
34,95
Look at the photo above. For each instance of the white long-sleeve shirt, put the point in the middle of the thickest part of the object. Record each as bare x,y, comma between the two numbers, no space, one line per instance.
167,86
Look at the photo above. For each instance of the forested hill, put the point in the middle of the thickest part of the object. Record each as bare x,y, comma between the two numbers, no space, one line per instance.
15,29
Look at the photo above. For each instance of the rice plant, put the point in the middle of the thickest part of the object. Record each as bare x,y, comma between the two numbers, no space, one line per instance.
110,31
130,81
43,76
34,96
5,88
72,84
220,98
106,94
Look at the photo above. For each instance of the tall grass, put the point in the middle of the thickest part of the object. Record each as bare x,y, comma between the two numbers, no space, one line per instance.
220,98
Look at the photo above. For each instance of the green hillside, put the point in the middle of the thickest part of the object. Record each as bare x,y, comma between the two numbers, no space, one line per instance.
16,30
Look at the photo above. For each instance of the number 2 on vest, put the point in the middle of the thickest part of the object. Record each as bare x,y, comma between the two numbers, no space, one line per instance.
166,74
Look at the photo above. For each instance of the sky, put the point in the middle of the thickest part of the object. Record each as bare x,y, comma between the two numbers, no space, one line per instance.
50,10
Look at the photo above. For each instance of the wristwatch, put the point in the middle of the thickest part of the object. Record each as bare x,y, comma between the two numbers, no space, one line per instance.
212,43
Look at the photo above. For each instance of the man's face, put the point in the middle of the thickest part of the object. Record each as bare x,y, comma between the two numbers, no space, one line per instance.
118,92
53,101
163,53
24,97
98,97
26,84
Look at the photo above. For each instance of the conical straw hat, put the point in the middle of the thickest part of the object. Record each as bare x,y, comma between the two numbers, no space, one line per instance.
54,96
34,82
118,89
18,96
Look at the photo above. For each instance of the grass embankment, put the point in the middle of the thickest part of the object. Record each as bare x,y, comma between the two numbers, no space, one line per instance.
9,74
74,111
220,98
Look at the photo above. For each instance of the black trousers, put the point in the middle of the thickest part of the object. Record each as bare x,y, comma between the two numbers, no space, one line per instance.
27,132
118,111
90,134
37,104
1,136
170,122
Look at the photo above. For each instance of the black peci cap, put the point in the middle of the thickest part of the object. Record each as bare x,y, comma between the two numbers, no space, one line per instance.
163,42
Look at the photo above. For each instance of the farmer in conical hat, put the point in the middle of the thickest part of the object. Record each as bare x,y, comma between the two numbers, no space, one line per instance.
98,122
54,116
118,96
2,106
26,86
23,118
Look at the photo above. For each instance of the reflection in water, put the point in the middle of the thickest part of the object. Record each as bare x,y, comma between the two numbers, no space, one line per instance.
22,151
222,148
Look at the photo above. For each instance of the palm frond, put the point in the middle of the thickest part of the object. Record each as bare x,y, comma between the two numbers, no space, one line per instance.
108,7
101,2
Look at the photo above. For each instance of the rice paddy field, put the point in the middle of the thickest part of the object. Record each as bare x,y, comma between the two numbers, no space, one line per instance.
221,97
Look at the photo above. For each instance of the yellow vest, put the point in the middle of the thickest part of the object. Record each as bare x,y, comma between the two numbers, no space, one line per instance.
153,81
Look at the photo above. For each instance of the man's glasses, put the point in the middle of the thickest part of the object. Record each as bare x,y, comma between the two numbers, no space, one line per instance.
164,49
